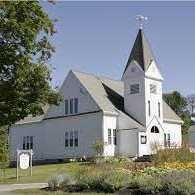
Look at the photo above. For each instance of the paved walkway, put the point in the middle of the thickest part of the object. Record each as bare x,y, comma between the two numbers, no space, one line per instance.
11,187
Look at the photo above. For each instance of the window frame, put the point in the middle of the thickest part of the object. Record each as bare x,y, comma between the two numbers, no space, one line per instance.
76,102
71,144
149,108
76,138
159,110
66,105
154,129
145,139
167,140
66,139
134,88
71,106
153,89
115,137
27,142
31,143
24,143
109,136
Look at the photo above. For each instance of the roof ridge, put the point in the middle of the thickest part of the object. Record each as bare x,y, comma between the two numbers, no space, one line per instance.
97,76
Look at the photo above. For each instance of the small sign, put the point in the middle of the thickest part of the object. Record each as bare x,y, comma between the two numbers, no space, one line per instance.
24,161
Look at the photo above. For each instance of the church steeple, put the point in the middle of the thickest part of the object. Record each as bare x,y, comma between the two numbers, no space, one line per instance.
141,52
142,83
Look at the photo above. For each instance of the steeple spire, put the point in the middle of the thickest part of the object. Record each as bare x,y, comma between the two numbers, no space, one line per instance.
141,52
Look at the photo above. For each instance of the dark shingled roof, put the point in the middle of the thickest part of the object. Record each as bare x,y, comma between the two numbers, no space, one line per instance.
141,52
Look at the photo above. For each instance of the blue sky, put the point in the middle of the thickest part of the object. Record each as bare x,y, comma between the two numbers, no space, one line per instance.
96,37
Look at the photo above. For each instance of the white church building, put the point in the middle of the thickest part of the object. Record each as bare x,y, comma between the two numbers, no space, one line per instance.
128,115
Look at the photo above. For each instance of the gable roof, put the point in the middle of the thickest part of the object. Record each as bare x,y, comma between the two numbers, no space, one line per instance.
141,52
32,119
169,114
109,96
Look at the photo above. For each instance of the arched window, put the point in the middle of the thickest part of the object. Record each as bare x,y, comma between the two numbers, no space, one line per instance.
154,129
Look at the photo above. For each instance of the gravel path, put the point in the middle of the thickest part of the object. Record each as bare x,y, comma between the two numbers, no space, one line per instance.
11,187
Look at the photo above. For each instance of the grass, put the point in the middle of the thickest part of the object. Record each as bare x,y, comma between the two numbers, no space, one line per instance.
41,173
42,192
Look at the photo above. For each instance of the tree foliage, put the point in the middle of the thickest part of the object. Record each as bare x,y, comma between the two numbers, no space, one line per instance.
25,49
180,105
4,154
191,102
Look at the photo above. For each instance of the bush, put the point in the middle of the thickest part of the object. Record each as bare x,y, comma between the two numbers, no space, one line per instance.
182,154
179,182
111,160
155,171
146,183
107,182
58,181
98,147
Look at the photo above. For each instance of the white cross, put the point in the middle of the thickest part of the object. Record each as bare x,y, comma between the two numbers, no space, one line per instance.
141,19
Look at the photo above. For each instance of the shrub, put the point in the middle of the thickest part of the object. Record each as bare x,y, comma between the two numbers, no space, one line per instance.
108,182
172,182
182,154
180,182
98,147
111,160
155,171
146,183
58,181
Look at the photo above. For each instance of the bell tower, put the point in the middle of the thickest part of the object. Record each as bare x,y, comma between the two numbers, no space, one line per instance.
142,83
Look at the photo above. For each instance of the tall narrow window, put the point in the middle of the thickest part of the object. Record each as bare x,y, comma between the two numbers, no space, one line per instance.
66,107
66,139
149,111
76,138
109,136
71,139
75,105
31,142
24,143
167,140
71,106
114,137
158,109
28,143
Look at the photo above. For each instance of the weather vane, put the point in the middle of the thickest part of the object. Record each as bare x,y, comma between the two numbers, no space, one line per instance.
141,19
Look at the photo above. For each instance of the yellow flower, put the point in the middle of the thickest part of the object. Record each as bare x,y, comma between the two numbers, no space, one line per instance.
178,165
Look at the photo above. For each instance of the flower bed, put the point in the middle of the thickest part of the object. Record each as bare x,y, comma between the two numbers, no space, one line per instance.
178,165
150,180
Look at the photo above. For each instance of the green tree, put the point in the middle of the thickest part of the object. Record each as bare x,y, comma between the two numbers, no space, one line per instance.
176,101
4,154
25,76
180,105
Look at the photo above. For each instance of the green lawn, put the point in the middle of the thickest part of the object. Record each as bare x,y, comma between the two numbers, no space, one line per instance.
42,192
41,173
